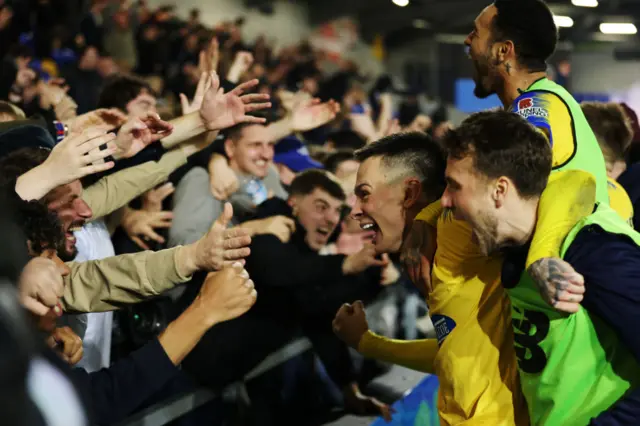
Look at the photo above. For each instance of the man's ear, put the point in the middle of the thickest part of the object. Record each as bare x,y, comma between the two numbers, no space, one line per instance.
504,51
229,146
412,192
293,203
501,189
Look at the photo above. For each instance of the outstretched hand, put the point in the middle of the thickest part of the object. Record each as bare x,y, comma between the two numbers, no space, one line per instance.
77,156
223,110
137,133
203,85
311,115
102,119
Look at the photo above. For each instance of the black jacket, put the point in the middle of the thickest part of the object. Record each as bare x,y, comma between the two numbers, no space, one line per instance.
291,276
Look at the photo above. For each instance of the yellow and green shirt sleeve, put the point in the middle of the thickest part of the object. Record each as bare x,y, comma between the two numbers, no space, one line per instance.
570,194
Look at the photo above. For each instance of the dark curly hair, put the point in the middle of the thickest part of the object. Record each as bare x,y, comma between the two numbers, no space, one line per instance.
38,224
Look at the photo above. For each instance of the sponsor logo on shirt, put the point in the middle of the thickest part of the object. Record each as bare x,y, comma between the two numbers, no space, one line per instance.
443,325
533,112
527,108
525,103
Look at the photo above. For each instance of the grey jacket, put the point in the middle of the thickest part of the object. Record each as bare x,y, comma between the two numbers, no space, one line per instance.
195,208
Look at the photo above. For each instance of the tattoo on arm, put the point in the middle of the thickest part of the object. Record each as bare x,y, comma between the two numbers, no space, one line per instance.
550,274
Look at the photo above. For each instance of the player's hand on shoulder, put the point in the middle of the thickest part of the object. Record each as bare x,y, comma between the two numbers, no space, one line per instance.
559,284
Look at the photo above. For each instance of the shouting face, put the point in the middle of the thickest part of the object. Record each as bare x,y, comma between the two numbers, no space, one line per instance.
479,44
379,206
73,212
319,214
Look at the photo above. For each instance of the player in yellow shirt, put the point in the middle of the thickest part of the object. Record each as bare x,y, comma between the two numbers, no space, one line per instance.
473,355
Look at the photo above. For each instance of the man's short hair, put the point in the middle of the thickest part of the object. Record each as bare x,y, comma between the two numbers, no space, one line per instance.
310,180
118,91
612,128
235,133
530,26
503,143
333,161
410,154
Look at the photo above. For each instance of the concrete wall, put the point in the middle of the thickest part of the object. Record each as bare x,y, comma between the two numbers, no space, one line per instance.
598,71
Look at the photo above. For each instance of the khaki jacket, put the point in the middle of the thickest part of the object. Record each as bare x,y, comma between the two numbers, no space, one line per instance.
107,284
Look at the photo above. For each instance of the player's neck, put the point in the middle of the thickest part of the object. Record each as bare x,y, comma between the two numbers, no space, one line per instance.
515,83
520,226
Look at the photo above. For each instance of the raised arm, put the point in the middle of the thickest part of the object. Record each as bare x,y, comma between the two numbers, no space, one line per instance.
107,284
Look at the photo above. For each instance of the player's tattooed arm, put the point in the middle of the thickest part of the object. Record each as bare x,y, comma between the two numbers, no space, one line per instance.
559,284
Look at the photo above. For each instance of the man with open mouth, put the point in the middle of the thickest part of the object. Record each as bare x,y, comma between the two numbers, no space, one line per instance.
473,355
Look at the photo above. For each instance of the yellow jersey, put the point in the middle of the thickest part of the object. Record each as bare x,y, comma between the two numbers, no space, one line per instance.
620,201
473,355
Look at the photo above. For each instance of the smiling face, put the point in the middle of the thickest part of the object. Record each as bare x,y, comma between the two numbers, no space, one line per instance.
380,206
319,213
72,211
252,152
469,196
479,44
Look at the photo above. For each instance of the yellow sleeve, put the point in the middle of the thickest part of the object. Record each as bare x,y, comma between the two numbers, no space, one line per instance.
548,112
431,213
569,196
414,354
619,200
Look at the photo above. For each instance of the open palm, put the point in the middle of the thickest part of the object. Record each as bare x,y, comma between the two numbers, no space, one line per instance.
138,133
308,117
221,110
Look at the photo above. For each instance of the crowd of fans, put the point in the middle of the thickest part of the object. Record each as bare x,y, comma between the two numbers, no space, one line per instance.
162,151
142,156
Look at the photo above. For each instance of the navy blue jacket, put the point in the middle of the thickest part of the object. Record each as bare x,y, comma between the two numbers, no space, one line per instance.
610,264
112,394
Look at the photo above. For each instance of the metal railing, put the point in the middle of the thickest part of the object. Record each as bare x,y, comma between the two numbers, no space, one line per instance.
179,405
